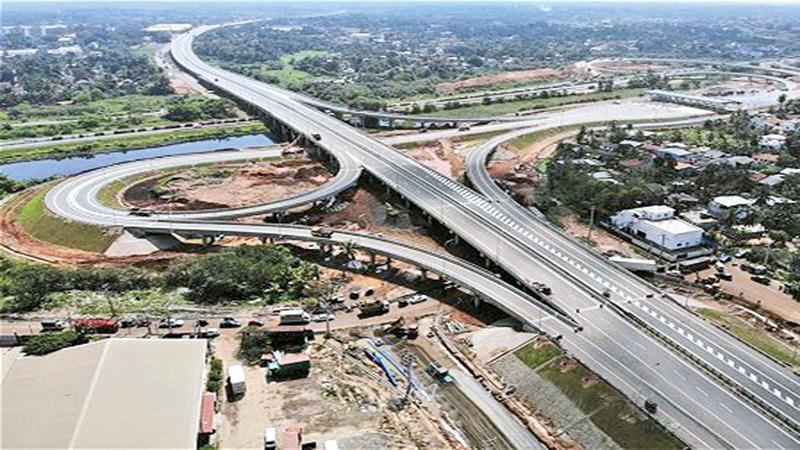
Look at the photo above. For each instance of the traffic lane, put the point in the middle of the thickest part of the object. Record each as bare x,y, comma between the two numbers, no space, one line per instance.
734,365
665,325
519,436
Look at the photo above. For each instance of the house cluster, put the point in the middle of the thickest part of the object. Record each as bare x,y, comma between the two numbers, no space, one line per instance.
686,209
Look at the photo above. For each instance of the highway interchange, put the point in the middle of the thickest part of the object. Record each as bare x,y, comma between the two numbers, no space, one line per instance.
649,348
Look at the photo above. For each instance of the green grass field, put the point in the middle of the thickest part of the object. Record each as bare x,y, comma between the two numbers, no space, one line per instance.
37,221
49,150
608,409
496,109
753,336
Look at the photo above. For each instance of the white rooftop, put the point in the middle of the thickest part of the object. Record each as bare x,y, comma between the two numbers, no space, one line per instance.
113,393
675,226
732,201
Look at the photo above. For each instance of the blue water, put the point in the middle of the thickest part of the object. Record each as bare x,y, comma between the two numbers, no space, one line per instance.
46,168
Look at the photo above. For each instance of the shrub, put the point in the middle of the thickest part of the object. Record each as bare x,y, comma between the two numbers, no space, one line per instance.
214,375
255,342
49,342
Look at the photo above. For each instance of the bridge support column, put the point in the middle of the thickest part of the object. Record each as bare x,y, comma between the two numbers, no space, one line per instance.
424,273
372,258
388,262
476,302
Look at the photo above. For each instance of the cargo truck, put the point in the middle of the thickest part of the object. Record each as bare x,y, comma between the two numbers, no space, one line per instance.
375,308
294,317
236,380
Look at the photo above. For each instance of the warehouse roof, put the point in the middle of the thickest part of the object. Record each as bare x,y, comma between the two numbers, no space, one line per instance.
114,393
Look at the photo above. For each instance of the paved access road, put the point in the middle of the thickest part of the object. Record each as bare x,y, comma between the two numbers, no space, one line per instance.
695,406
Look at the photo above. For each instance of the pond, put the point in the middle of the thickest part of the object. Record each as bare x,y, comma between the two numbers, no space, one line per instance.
46,168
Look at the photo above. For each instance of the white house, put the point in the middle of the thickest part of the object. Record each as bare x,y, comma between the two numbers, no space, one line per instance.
740,206
658,226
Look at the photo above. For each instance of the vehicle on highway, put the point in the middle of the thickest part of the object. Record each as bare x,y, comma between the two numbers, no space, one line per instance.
54,325
229,322
139,212
650,406
171,322
317,136
464,128
321,232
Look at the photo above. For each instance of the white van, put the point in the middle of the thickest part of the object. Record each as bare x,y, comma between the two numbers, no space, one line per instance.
270,439
294,317
236,379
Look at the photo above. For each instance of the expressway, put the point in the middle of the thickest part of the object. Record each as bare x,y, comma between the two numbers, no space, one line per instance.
775,386
696,407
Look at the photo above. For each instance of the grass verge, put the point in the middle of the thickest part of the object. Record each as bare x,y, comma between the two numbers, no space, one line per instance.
750,334
126,142
606,407
495,109
34,218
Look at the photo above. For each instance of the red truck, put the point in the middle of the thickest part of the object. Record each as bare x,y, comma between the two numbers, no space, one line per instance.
96,325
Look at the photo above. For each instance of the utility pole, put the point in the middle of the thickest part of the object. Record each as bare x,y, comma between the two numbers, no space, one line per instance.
591,224
408,360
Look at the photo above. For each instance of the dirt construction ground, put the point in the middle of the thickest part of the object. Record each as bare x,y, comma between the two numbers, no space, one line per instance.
768,297
338,400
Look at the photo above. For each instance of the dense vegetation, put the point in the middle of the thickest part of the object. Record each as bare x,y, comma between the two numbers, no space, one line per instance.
367,57
45,343
254,343
243,273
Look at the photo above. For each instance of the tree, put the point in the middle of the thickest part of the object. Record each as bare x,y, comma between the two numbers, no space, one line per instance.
45,343
254,342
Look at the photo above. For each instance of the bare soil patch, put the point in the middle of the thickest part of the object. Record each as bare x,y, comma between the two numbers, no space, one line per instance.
546,74
227,185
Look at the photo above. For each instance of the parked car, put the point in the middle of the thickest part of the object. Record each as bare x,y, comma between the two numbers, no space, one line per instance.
201,322
209,333
255,323
54,325
322,317
418,298
171,322
229,322
130,322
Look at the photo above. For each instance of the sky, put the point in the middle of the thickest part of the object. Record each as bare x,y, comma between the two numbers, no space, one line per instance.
782,2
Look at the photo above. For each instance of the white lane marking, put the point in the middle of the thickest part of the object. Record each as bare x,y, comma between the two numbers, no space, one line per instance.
726,407
701,391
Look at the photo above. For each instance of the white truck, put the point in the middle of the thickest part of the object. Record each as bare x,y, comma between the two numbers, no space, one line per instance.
294,317
236,380
635,264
